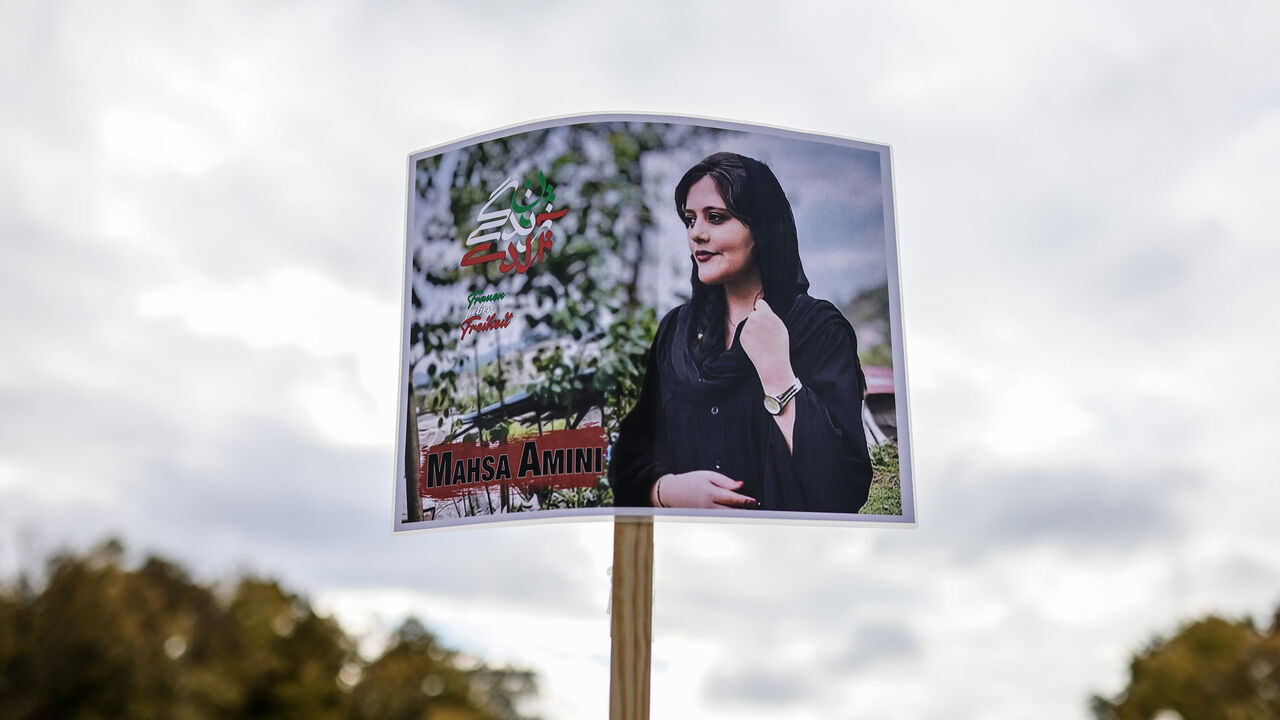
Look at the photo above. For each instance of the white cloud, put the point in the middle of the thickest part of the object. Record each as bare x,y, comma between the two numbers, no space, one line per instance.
150,141
1230,187
291,307
1034,417
299,308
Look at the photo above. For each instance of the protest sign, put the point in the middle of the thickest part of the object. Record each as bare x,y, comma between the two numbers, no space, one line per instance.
652,315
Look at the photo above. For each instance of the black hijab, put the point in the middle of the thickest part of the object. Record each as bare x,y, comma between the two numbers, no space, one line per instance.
751,193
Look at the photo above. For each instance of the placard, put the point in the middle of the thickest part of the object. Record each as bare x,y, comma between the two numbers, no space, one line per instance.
652,315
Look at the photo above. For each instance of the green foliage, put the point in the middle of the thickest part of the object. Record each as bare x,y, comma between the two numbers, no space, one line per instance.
599,496
102,640
885,497
557,383
415,673
1212,668
621,370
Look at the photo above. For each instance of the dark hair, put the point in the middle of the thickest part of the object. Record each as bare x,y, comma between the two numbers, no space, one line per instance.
753,195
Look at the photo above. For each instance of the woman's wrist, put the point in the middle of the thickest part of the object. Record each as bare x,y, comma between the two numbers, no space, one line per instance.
776,379
655,494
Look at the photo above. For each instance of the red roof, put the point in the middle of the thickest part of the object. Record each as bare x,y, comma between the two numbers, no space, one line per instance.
879,380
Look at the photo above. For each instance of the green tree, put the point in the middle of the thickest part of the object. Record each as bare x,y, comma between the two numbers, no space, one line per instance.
1212,669
416,678
98,639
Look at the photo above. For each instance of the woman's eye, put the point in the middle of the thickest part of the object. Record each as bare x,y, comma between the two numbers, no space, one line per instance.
688,221
715,218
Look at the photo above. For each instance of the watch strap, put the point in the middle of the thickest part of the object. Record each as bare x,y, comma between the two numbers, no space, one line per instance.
786,395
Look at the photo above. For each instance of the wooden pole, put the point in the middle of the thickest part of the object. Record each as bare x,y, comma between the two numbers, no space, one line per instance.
631,618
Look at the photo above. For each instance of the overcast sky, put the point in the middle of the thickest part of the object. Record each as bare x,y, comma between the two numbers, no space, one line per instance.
202,212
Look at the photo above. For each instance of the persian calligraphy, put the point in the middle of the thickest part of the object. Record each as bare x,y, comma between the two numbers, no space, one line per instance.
516,234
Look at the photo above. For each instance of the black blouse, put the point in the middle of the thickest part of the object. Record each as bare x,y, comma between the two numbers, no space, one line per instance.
710,416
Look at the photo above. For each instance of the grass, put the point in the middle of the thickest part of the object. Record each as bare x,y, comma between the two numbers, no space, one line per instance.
885,497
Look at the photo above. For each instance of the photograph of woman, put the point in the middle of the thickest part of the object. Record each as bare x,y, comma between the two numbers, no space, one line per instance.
752,397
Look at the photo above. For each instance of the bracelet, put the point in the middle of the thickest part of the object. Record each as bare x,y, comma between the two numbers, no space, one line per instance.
657,490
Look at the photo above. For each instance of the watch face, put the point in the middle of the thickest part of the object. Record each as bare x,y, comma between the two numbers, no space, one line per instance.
771,405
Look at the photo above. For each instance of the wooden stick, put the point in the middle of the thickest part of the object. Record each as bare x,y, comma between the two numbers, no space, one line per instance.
631,618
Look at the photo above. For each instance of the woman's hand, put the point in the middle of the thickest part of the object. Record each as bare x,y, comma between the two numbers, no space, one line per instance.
767,343
699,489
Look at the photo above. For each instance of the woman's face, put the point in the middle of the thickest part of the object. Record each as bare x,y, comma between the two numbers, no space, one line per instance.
721,245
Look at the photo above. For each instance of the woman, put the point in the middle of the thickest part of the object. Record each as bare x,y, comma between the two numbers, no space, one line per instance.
753,393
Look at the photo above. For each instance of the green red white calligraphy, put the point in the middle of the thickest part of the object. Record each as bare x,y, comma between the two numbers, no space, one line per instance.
524,225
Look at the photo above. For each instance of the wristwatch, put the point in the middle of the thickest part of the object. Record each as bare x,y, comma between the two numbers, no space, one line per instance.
775,405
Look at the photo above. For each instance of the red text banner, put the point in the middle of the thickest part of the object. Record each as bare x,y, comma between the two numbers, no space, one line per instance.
560,459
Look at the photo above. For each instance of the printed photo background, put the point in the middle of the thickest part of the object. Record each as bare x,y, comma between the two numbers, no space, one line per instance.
540,266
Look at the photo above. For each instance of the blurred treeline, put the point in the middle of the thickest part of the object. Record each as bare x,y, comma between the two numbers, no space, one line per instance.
869,313
1214,668
94,638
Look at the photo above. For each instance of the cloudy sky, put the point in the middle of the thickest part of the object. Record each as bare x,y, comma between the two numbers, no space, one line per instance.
202,204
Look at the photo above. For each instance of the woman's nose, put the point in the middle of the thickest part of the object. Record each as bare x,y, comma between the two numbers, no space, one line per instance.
698,231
